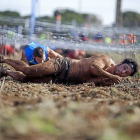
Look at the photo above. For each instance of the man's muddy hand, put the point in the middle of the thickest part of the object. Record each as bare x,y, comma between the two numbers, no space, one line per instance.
116,79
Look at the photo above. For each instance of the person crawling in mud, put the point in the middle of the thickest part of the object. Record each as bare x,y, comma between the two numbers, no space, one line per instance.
34,53
99,69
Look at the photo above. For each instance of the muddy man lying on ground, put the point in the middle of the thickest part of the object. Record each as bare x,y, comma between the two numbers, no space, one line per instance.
98,69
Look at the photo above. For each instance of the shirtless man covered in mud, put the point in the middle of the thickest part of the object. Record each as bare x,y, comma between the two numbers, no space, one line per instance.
99,69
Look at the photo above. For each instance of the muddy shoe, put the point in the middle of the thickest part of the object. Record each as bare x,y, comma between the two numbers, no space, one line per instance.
3,72
1,58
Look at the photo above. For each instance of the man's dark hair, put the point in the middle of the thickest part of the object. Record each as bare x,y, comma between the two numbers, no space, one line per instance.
133,63
38,52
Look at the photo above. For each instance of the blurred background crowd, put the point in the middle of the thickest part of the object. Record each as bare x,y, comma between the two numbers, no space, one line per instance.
72,34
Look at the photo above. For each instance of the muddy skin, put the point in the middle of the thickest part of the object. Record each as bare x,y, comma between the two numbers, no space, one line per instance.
80,70
39,70
19,76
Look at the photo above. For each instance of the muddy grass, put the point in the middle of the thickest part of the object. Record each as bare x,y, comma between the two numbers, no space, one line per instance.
49,111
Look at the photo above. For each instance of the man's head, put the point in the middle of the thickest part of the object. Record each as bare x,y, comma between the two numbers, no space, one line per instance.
128,67
39,55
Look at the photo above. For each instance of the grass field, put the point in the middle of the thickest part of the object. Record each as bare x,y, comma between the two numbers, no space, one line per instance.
31,111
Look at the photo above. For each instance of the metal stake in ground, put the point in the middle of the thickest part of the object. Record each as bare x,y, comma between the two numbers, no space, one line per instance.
131,44
134,48
2,45
125,55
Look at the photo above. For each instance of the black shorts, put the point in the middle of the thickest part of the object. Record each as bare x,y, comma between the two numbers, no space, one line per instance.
62,77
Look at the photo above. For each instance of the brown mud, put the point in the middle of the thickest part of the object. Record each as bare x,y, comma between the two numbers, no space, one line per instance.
76,112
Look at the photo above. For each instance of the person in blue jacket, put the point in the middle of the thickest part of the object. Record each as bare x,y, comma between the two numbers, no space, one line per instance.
35,53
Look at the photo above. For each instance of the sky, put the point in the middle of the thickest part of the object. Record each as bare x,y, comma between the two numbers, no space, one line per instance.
104,9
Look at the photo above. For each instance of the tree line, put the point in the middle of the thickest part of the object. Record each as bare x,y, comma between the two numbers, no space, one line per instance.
130,18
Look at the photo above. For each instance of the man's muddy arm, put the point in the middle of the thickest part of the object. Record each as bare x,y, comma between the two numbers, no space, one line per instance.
24,58
53,54
98,71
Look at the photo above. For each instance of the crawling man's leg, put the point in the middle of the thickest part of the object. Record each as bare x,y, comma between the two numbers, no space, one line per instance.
39,70
19,76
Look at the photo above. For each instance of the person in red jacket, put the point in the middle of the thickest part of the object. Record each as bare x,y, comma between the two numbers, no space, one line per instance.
77,54
6,49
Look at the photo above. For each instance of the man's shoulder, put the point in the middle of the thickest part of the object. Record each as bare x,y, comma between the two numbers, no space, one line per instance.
100,56
104,56
107,60
29,49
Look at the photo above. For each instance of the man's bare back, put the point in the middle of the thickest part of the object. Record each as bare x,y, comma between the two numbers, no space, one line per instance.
84,70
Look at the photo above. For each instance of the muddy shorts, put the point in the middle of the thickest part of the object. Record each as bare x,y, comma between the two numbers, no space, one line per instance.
62,77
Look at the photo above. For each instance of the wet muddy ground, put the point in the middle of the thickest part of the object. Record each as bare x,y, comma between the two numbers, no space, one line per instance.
77,112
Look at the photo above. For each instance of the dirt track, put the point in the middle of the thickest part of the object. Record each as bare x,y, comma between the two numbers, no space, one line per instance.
49,111
31,111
